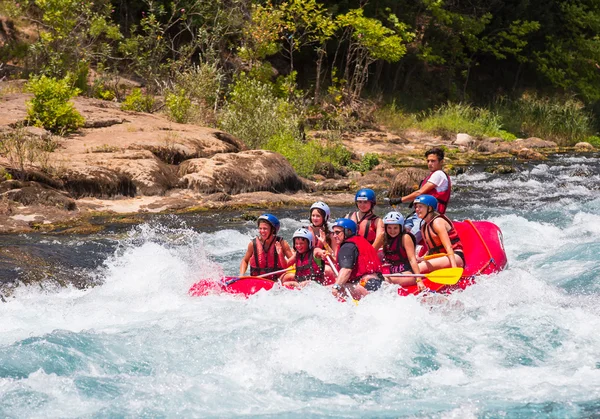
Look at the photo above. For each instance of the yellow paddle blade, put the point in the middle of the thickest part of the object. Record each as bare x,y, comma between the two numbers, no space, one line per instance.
434,256
446,276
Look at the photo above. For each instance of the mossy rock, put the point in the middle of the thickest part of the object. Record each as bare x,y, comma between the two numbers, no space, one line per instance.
501,169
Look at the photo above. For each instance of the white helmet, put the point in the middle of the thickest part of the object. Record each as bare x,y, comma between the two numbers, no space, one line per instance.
323,207
305,234
393,218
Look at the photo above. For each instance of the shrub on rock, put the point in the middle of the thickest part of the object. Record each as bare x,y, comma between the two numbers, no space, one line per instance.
51,106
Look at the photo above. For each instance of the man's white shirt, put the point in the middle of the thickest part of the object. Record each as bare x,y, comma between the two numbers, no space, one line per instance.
440,180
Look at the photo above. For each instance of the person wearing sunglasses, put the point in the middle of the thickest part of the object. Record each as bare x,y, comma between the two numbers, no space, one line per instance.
357,262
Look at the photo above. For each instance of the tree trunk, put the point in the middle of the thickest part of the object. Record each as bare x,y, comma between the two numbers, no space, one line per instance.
517,77
321,54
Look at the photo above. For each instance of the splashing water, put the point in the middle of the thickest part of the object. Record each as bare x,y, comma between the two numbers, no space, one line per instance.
522,343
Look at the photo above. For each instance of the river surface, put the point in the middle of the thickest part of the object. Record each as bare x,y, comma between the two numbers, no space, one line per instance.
522,343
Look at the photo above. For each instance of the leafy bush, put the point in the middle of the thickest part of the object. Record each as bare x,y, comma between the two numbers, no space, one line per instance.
460,117
564,121
202,83
336,153
179,106
51,107
103,93
256,115
305,156
302,156
368,162
139,102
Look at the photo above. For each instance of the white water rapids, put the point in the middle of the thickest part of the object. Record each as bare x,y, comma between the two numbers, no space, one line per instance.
523,343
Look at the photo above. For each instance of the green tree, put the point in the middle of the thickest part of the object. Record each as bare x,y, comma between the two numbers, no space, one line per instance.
72,35
457,40
368,40
306,22
261,34
569,57
171,35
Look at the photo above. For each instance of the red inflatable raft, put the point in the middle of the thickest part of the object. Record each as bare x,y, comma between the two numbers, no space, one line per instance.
484,254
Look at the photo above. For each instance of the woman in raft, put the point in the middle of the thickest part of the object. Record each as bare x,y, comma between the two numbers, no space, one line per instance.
319,217
308,259
399,250
266,252
439,236
369,225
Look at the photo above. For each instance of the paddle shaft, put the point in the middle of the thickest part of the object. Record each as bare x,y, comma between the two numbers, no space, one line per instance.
333,268
405,275
447,276
236,279
337,273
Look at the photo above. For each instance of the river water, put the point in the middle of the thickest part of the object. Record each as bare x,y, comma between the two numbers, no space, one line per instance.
522,343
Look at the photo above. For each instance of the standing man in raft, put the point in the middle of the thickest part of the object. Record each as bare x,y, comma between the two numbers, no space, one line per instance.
436,184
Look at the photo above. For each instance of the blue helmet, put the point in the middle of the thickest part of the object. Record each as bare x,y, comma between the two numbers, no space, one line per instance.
428,200
348,225
271,219
393,218
366,195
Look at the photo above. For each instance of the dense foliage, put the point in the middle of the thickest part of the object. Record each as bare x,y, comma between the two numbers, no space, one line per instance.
51,106
260,68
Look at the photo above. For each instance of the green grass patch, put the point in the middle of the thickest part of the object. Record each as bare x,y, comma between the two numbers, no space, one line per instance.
394,119
593,140
305,157
453,118
447,119
565,121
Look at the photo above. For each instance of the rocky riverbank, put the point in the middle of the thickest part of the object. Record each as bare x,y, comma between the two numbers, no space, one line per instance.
125,163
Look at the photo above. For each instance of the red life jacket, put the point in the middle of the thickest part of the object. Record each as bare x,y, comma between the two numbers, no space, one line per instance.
264,261
394,253
367,227
368,260
307,267
433,241
442,197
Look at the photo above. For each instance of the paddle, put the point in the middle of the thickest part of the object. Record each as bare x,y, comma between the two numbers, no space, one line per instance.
446,276
236,279
336,272
434,256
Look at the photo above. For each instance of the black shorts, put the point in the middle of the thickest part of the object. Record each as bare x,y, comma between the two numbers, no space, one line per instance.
374,284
